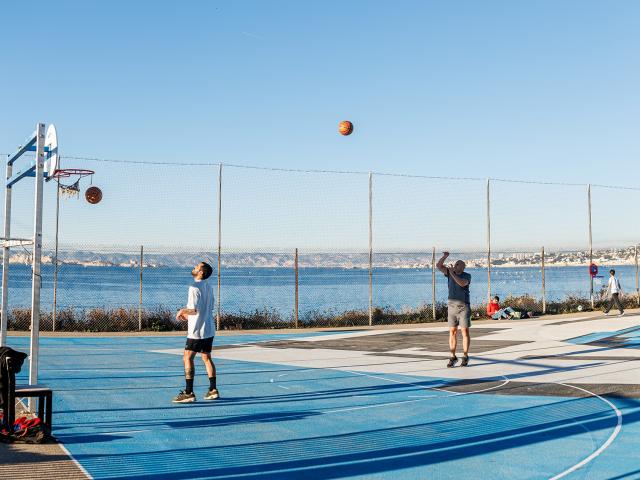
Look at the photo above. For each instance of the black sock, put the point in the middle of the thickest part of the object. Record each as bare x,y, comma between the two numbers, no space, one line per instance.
189,385
212,383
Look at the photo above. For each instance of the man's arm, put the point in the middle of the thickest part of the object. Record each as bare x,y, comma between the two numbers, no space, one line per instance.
190,309
440,265
184,312
463,282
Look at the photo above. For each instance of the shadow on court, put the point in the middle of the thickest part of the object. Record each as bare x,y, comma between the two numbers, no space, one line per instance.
373,451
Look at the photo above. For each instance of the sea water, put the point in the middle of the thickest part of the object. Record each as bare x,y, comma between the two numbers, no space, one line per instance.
247,289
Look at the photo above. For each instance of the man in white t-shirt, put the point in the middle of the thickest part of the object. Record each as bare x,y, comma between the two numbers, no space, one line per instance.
200,332
614,290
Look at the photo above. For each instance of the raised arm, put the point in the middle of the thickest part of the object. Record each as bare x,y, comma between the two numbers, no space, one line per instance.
460,281
440,265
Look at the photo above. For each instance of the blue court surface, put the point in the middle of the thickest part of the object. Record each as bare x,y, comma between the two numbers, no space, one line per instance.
360,405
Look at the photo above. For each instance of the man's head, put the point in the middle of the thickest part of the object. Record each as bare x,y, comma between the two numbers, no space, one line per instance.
496,299
202,271
458,267
612,272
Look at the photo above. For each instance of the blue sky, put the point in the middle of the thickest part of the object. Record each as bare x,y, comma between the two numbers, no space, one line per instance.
543,90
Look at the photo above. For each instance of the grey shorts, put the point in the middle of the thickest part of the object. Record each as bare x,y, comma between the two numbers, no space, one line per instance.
458,314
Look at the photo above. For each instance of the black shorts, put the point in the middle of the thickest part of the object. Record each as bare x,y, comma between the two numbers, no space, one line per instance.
199,345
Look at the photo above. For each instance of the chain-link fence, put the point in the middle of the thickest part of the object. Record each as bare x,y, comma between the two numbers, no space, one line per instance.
315,248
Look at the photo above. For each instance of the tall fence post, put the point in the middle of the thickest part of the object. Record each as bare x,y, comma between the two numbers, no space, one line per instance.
219,242
488,240
544,287
590,248
635,249
140,297
370,248
295,263
433,282
54,313
6,251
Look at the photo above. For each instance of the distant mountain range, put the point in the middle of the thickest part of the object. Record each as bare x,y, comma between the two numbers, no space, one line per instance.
623,256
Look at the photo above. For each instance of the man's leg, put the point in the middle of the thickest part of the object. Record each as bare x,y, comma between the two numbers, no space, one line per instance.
465,323
189,370
453,344
466,340
608,305
187,394
212,394
616,299
453,340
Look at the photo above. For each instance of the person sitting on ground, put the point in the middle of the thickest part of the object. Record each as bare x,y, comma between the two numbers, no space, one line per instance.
494,311
493,306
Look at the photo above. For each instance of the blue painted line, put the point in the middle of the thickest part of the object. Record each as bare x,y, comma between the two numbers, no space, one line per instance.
594,337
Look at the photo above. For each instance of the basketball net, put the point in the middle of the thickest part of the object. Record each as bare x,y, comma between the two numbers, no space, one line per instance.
70,191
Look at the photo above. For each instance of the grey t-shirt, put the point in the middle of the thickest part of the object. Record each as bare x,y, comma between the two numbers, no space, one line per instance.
456,292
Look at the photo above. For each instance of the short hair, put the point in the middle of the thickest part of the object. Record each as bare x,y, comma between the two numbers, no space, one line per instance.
496,298
612,271
206,270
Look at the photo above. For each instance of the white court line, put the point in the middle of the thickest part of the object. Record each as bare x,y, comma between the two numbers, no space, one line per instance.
422,398
282,386
64,449
604,446
575,467
82,469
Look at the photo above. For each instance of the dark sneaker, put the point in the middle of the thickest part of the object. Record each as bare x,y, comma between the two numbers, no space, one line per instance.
184,397
452,362
212,394
621,314
465,361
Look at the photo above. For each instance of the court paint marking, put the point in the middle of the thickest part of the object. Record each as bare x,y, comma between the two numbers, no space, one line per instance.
604,446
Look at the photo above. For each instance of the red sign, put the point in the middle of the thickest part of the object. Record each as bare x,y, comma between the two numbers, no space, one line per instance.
593,270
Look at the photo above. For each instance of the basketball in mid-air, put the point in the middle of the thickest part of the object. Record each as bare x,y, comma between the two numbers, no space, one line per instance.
93,195
345,127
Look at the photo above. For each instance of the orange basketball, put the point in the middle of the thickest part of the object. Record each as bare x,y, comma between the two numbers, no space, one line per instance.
345,127
93,195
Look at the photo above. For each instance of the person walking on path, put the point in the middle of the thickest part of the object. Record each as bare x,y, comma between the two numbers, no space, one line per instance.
200,332
458,308
613,291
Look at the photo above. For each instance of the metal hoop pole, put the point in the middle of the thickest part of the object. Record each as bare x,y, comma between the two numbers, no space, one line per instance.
37,262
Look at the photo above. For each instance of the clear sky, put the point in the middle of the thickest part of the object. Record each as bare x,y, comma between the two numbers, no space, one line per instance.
536,90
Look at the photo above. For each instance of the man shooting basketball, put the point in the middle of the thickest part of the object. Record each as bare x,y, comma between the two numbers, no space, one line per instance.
200,332
458,307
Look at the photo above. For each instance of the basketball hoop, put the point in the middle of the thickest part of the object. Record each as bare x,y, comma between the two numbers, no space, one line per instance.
72,189
70,172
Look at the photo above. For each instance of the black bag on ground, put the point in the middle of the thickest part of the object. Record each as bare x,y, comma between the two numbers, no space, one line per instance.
10,363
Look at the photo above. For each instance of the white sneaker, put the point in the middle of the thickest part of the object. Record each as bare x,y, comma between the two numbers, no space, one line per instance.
621,314
606,314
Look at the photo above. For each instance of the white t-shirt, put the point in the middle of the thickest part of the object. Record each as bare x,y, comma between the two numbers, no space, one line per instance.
614,285
201,325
